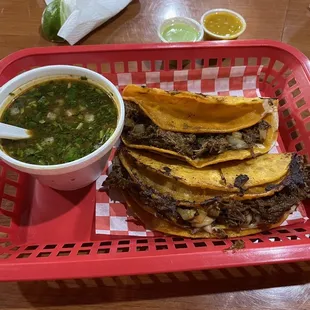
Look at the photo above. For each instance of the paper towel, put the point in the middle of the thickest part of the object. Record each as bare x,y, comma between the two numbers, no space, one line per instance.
86,15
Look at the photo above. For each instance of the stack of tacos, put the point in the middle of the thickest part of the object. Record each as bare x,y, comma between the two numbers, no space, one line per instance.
197,166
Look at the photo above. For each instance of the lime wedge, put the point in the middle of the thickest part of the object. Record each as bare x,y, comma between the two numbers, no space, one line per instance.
53,17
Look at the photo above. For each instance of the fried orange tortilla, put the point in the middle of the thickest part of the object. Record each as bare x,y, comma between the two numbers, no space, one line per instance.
183,193
195,113
154,223
261,171
259,149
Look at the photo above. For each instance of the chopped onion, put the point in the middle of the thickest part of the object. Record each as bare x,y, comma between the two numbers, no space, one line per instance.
208,229
236,143
139,129
60,101
248,219
207,221
186,214
79,126
69,113
201,220
14,111
255,221
262,134
51,116
237,135
200,217
48,140
89,118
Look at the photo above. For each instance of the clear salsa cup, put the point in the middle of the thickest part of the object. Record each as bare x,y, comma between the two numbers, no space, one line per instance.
209,35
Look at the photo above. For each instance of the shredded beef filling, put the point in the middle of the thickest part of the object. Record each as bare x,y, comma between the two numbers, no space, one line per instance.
260,212
139,129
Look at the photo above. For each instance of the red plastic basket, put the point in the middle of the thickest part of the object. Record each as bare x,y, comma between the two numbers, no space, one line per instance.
48,235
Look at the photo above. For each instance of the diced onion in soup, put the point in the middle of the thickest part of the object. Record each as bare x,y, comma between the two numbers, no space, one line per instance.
69,113
52,116
14,111
89,117
54,111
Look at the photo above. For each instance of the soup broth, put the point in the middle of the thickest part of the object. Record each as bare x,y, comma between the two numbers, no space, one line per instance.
68,118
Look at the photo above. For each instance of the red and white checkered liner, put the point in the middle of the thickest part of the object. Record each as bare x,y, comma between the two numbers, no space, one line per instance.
112,217
234,81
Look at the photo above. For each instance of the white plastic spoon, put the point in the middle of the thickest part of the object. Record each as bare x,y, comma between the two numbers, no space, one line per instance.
13,132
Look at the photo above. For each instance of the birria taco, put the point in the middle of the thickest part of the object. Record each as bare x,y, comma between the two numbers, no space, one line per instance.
224,200
202,130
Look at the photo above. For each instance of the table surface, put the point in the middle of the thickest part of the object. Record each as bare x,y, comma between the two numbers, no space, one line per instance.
270,287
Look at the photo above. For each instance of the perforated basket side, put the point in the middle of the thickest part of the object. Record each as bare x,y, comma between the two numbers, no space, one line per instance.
149,255
285,74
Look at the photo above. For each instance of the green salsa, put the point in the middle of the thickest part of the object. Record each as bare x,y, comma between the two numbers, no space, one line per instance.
68,118
180,32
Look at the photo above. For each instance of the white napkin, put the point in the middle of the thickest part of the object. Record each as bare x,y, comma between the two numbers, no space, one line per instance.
86,15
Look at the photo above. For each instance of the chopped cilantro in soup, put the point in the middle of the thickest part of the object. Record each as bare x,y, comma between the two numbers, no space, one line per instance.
69,119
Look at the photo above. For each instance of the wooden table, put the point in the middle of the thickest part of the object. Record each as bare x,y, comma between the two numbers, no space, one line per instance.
270,287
